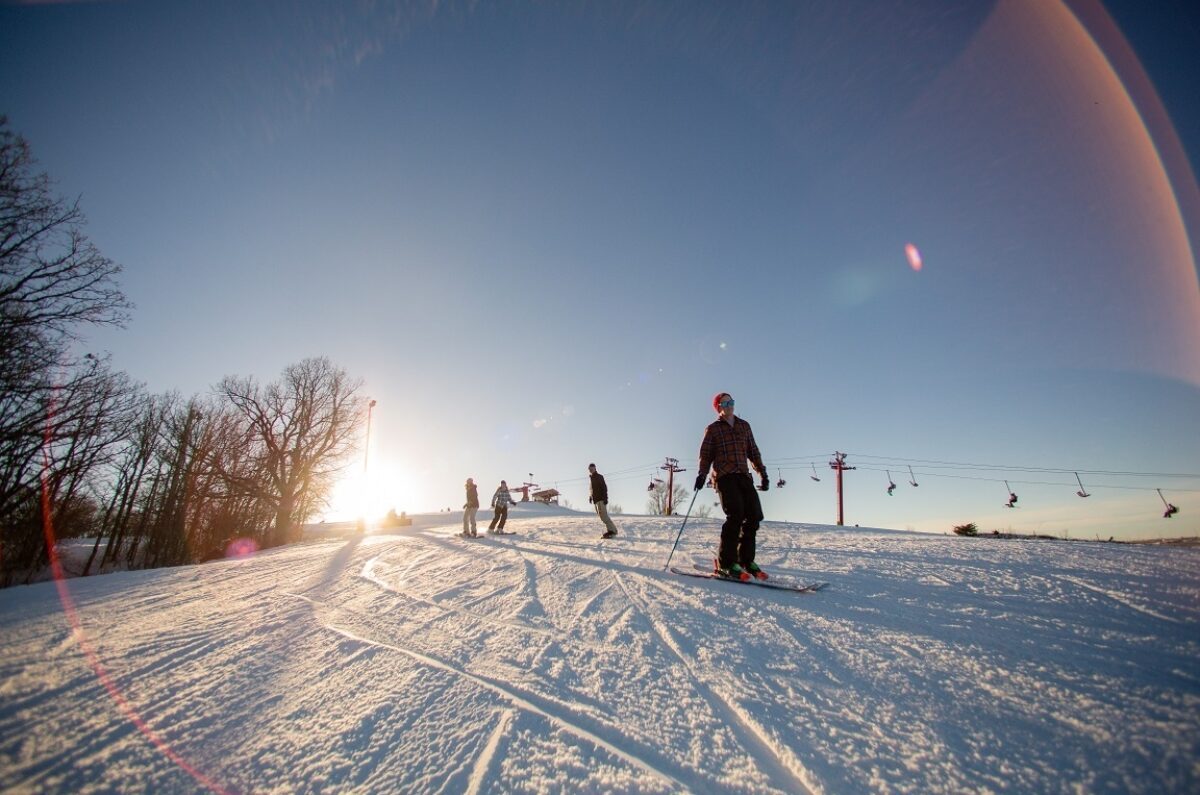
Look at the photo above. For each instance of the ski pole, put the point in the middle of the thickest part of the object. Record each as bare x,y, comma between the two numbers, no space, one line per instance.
680,535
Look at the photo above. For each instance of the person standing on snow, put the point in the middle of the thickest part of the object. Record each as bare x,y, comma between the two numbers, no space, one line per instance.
500,502
728,444
599,499
470,507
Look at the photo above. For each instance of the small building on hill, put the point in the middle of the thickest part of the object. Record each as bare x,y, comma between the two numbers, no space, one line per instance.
547,496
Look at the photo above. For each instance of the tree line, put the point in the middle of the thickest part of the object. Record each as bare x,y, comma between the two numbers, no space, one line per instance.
86,451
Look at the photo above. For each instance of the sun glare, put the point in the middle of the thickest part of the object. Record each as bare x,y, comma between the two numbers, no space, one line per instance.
371,495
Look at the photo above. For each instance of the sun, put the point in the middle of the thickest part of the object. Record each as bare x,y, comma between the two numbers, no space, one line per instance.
370,495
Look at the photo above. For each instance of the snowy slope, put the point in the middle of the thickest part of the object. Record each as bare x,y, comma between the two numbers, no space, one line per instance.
549,661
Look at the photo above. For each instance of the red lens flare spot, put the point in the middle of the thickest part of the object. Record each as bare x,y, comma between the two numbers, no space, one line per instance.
914,256
241,548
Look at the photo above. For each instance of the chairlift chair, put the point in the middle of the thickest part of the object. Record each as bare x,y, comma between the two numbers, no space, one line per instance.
813,476
779,484
891,485
1012,497
1171,509
912,479
1082,491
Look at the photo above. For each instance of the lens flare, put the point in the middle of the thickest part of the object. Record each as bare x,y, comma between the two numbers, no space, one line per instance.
241,548
79,634
914,256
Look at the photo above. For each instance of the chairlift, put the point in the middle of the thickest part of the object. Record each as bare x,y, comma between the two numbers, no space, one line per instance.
1012,497
891,485
813,476
779,484
1082,491
1171,509
912,479
654,483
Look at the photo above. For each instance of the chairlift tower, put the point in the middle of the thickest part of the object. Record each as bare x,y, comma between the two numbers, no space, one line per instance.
838,464
671,466
525,487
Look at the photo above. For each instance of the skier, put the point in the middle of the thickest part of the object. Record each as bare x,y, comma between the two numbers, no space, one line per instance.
728,443
599,499
500,502
470,507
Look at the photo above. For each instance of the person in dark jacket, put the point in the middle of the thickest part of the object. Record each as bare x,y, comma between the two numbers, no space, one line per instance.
470,508
500,502
599,499
728,444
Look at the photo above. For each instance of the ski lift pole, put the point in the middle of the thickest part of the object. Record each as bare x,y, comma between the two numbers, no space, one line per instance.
680,534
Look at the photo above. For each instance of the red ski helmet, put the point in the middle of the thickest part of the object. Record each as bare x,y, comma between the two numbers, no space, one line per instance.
717,400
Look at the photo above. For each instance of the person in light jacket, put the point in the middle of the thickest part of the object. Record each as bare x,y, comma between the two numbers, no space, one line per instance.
470,508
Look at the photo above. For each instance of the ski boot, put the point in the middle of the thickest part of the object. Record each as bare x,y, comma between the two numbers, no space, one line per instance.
608,534
734,572
755,571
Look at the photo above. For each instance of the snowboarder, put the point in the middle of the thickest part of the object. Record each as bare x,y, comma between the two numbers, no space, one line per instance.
728,444
470,507
500,502
599,499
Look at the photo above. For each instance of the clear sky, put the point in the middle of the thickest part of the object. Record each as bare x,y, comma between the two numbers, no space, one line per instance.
545,234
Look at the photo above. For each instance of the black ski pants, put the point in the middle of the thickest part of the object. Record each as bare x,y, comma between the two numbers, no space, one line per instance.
743,513
500,516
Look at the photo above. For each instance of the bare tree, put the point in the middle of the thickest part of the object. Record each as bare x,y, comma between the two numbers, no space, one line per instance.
656,503
302,430
49,482
51,276
57,414
129,476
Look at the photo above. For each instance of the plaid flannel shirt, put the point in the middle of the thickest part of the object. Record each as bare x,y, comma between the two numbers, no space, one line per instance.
726,448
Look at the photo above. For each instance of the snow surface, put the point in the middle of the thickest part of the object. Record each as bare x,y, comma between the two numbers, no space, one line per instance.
550,661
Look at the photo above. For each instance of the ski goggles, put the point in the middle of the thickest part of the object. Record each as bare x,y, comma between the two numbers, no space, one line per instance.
727,403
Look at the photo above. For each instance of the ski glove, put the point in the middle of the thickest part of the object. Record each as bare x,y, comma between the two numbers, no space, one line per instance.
766,484
699,483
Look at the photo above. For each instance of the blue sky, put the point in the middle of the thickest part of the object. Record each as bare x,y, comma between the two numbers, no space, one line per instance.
546,234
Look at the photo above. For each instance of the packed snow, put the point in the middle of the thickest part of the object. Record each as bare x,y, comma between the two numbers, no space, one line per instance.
553,661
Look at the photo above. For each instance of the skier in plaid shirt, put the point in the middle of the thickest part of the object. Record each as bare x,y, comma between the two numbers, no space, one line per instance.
728,444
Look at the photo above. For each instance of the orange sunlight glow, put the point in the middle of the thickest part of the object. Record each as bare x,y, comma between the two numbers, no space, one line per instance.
369,496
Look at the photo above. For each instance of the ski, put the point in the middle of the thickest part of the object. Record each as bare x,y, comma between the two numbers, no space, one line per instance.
709,574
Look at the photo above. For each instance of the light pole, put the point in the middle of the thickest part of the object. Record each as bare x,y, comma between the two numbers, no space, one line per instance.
362,518
367,451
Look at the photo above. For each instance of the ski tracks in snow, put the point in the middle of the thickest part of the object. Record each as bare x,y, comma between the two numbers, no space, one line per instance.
776,761
771,763
521,698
